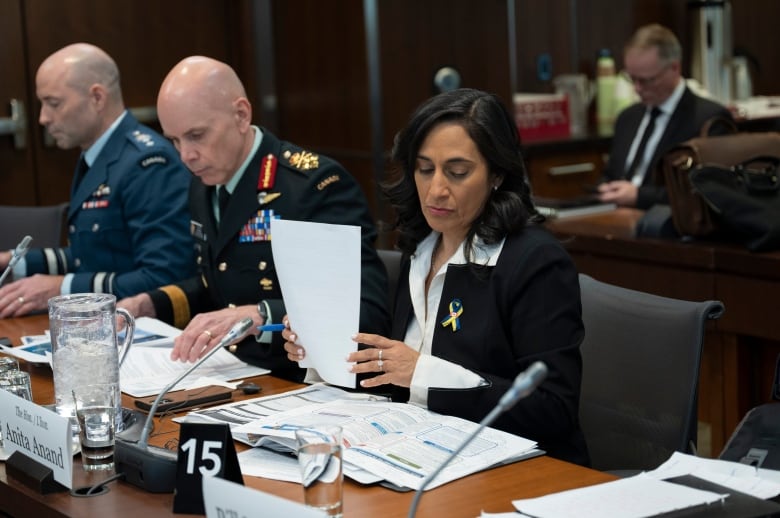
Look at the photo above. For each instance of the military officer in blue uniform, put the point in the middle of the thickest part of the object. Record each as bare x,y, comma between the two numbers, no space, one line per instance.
128,220
254,177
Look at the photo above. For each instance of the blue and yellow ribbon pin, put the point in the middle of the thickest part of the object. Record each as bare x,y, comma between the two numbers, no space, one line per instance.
456,310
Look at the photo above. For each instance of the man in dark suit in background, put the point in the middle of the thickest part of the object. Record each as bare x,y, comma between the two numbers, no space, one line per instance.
668,113
246,177
128,220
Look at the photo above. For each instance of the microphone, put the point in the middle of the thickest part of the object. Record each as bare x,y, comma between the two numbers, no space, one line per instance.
16,255
149,467
525,383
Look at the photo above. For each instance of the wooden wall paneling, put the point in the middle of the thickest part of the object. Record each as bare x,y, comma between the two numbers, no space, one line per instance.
145,37
754,23
544,27
321,82
321,77
418,38
17,181
609,24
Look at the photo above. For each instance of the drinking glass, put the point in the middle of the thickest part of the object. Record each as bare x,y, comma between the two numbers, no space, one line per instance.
95,407
320,460
8,363
17,382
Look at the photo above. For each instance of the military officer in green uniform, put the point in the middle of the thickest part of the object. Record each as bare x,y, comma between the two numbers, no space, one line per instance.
245,177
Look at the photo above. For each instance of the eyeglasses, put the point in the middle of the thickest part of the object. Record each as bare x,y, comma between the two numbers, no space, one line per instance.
643,81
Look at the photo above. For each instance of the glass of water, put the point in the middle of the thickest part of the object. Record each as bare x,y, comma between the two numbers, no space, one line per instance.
8,363
320,461
17,382
95,407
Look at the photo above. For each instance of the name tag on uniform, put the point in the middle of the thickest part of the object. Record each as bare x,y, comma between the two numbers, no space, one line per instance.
196,230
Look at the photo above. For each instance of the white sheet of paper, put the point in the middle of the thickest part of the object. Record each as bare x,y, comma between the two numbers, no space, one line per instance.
148,332
318,265
222,498
734,475
147,370
631,497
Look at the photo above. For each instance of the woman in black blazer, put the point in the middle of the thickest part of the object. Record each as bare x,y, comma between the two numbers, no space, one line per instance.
485,291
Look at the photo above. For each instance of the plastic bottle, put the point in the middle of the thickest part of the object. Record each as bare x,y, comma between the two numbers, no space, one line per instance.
606,79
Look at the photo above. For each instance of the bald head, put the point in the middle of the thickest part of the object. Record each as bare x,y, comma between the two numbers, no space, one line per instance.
203,109
78,87
207,80
81,65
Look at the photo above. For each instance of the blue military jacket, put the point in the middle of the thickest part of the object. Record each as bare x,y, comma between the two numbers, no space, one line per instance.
128,221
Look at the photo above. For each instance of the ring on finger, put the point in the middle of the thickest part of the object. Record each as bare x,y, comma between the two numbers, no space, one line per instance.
207,333
380,355
380,364
21,300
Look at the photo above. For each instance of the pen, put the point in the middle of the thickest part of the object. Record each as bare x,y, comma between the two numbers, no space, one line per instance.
273,328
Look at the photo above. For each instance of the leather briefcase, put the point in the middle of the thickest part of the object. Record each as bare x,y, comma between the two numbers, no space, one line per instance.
691,213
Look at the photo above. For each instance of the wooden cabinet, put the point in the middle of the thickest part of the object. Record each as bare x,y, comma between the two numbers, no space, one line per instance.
565,168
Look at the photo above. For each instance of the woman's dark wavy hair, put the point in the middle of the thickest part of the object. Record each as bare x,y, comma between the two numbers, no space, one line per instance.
493,129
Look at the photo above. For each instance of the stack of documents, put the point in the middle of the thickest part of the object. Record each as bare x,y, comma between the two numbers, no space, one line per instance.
148,367
392,442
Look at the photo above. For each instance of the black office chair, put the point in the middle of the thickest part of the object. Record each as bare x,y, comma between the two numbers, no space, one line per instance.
43,223
641,357
392,261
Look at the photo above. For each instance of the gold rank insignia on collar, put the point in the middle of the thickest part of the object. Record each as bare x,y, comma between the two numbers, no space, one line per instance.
267,197
303,160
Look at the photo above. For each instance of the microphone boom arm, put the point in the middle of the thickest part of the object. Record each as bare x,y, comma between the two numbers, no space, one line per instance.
525,383
235,332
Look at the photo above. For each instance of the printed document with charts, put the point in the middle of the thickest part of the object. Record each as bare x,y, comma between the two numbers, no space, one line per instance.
398,442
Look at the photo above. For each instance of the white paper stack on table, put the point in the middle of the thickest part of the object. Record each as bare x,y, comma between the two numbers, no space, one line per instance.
393,442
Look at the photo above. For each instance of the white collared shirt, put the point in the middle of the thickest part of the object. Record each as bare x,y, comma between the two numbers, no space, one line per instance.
90,155
233,182
662,120
430,370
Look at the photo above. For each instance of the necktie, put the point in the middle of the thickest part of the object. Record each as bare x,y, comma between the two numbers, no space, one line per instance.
640,150
81,170
222,199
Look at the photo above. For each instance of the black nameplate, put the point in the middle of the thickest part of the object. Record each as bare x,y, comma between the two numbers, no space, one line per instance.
32,473
205,450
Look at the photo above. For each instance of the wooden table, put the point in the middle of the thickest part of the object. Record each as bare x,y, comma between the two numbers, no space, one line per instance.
492,490
740,348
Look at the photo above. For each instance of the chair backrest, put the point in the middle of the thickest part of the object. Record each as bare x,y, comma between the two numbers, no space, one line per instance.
641,356
43,223
392,262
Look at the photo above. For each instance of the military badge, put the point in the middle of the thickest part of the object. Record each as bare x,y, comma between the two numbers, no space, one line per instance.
102,190
267,284
267,197
267,176
258,228
196,230
143,138
94,204
303,160
327,181
155,159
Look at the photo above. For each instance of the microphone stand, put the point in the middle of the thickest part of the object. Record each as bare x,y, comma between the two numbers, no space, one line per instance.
18,253
525,383
149,467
